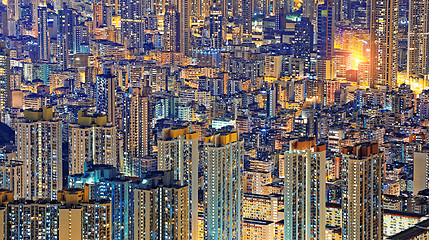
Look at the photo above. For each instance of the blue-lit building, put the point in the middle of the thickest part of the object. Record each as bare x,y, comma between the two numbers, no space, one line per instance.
105,183
325,39
104,94
325,30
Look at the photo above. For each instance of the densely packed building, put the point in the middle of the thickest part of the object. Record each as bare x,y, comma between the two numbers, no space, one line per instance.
214,119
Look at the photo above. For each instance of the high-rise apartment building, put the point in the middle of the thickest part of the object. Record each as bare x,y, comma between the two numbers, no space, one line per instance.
200,8
67,19
105,95
258,229
132,23
63,54
13,8
5,91
11,176
80,39
73,216
42,13
247,16
80,218
419,231
384,43
215,21
263,207
315,90
137,137
271,102
325,39
39,147
184,8
97,9
171,37
363,74
394,221
304,192
361,202
92,141
418,42
104,183
178,152
161,211
304,34
223,157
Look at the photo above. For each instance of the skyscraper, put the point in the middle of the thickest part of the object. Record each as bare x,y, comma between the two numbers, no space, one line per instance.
384,42
98,14
104,183
184,8
132,23
5,93
39,147
80,218
92,141
171,37
178,152
80,39
418,42
308,9
63,53
271,102
43,32
247,16
137,125
67,19
215,19
105,96
223,156
361,202
161,210
325,39
305,179
303,42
